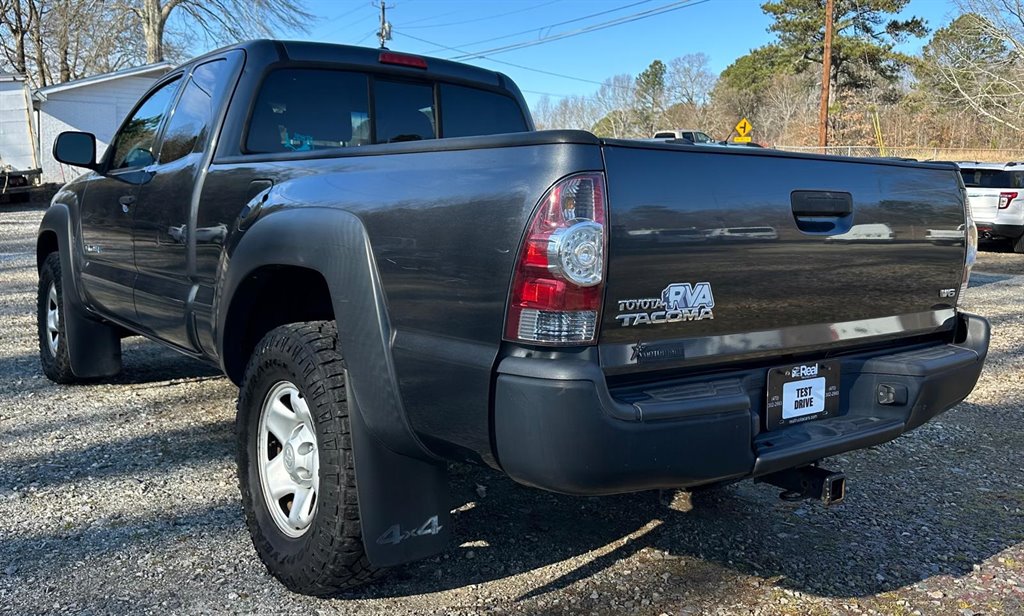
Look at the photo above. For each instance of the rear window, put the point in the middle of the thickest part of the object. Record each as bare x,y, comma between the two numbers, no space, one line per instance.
468,112
992,178
404,111
300,110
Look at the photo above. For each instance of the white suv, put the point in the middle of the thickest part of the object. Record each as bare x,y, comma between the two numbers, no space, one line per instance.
995,192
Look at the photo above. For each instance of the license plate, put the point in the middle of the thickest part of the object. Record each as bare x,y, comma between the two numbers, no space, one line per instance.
802,392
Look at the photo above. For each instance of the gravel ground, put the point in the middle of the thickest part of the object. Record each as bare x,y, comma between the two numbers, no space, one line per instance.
121,498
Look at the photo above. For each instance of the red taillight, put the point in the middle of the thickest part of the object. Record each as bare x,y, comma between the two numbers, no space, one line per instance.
558,281
401,59
1005,199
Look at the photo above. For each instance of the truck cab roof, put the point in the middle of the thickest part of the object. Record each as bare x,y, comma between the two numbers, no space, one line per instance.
331,53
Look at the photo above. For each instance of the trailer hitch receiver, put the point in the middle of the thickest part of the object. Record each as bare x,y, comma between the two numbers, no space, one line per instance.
810,482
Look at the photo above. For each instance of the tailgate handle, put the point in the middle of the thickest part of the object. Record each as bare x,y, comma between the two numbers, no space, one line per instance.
821,203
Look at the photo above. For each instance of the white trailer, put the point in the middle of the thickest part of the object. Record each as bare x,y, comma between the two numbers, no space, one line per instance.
19,160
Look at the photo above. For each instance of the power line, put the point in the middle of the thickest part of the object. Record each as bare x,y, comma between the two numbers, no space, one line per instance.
555,25
485,18
549,93
342,16
503,62
429,17
675,6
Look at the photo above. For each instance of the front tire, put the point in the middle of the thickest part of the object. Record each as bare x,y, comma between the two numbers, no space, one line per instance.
53,345
295,465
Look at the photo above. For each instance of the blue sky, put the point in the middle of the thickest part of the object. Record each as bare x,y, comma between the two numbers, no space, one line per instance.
723,29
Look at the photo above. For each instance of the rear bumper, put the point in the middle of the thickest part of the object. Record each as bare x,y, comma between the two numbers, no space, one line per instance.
987,230
558,427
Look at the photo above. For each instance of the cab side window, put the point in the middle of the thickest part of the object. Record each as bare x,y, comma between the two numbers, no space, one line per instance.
188,129
133,146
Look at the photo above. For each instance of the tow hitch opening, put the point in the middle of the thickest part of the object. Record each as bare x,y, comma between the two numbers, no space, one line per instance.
810,482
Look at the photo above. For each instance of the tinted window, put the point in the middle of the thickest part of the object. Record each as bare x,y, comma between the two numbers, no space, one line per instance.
467,111
992,178
311,109
404,111
300,110
189,126
133,146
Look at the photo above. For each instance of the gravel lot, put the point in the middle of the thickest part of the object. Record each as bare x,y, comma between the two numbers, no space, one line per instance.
121,498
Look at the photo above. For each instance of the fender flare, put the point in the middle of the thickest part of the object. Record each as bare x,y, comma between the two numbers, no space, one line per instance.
57,220
94,348
334,243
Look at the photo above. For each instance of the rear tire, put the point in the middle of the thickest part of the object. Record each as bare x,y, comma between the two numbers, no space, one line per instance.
294,388
1018,245
53,346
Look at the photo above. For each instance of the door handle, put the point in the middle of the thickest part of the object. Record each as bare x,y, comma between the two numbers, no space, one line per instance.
822,212
126,201
821,203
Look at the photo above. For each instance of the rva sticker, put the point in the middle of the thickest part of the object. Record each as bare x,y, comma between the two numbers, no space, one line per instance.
679,301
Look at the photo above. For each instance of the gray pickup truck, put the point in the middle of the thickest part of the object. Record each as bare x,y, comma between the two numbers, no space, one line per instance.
399,273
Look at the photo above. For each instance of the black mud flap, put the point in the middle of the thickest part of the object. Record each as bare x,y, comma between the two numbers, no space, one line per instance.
404,502
94,348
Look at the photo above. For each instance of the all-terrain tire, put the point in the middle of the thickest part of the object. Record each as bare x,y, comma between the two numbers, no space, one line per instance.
56,361
329,556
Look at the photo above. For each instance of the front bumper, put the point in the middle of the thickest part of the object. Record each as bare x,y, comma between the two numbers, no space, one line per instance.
558,427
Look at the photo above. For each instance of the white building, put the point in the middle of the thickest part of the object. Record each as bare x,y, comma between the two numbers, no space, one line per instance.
95,105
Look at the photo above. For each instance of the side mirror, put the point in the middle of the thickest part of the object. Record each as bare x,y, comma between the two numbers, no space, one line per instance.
76,149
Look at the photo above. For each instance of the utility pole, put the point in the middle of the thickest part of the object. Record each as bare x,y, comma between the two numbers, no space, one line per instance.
826,78
384,34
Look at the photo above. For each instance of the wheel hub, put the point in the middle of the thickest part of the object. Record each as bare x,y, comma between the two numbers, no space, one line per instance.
287,459
300,456
53,319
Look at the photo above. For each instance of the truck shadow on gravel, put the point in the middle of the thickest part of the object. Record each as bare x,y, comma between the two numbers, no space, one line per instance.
907,518
143,363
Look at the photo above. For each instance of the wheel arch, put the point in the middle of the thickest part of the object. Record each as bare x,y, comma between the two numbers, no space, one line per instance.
267,297
329,249
46,244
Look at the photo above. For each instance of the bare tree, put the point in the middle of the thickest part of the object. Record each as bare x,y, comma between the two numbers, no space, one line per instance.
688,84
53,41
980,59
689,80
790,102
19,18
573,112
614,102
220,20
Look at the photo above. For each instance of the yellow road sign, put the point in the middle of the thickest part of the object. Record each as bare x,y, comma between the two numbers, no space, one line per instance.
744,127
746,139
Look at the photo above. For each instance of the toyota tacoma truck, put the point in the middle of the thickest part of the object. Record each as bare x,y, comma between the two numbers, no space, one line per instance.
400,273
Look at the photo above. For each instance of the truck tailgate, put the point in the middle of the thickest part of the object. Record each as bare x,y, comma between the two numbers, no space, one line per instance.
718,254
